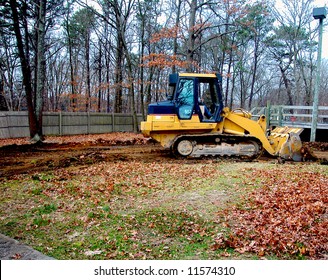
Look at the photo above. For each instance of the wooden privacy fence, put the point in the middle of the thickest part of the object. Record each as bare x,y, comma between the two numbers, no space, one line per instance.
15,124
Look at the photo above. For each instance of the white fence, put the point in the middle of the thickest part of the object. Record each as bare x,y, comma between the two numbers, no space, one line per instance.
15,124
294,116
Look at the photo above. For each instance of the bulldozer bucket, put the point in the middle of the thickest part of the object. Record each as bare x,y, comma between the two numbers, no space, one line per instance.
287,142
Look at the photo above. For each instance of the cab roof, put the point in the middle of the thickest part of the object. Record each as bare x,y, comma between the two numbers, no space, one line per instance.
201,75
173,78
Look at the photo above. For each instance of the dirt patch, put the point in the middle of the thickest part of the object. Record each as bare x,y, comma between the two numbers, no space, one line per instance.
59,152
29,158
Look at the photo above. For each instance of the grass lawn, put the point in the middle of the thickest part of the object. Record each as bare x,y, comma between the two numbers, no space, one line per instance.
170,209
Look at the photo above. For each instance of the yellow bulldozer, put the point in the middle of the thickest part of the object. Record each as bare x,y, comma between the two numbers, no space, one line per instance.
193,122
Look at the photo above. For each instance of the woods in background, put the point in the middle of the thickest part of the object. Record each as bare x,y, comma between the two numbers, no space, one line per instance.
116,55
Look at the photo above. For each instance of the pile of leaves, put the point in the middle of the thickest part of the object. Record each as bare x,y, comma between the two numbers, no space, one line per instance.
320,146
288,215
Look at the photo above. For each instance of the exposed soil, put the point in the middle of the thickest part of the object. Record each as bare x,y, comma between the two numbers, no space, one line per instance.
17,159
49,155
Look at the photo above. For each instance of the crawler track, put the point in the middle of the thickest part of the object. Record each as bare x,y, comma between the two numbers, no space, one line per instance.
239,147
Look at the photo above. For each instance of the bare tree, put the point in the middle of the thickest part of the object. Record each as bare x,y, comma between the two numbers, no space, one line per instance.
23,51
291,46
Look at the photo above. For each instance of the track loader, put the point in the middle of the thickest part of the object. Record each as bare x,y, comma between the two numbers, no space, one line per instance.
193,122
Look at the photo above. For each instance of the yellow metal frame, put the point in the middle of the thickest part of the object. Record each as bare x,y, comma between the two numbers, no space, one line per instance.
235,122
165,128
198,75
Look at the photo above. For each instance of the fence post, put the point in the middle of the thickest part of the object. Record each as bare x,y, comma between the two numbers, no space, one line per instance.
60,123
89,121
268,114
113,122
7,118
280,115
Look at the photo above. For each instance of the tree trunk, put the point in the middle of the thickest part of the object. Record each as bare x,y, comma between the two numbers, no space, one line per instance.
41,68
87,60
228,79
107,67
149,86
142,53
287,86
175,39
191,38
118,77
131,84
255,63
71,64
107,84
26,71
99,79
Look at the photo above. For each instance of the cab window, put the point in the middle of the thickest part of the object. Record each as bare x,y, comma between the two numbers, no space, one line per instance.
185,100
